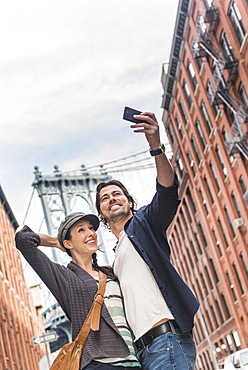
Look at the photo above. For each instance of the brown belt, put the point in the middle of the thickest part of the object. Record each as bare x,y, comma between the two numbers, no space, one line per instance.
153,333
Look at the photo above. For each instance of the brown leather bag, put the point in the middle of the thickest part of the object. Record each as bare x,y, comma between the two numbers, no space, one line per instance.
70,354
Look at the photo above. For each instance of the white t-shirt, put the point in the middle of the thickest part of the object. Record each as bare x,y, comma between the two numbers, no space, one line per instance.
144,303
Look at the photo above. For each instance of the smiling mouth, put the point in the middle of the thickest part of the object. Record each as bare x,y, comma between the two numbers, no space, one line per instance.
92,241
114,204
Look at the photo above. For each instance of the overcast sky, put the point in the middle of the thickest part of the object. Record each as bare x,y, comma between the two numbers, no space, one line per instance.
67,69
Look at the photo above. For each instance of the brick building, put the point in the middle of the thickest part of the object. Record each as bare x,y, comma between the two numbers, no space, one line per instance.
19,319
205,115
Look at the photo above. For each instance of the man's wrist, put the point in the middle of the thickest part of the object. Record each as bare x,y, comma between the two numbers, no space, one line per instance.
159,150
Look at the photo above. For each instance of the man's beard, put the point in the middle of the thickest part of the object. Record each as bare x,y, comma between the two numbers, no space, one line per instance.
117,216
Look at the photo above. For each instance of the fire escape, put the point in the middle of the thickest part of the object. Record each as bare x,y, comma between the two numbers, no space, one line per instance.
218,89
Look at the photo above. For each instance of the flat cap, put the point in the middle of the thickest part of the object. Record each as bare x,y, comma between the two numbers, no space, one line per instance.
71,219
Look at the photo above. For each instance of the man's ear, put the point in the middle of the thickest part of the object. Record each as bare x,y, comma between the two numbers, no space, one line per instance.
67,244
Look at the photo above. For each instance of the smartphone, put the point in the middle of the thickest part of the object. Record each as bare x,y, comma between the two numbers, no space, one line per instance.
129,113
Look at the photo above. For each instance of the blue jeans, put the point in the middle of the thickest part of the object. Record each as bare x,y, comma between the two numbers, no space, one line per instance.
170,351
100,366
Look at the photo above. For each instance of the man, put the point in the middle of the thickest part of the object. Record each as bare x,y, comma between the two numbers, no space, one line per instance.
159,306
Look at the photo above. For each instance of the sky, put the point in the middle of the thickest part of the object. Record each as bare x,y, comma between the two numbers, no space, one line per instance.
67,69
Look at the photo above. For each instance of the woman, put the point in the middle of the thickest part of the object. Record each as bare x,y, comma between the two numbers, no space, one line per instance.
75,286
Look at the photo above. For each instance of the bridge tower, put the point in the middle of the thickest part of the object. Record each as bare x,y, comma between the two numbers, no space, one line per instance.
64,192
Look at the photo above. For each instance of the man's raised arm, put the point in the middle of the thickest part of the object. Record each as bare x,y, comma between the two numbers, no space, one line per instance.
165,173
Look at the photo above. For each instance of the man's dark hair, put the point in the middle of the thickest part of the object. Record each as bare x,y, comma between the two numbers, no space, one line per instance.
125,192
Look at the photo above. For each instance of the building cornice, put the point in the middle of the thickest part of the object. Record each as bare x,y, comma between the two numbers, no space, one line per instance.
8,210
176,51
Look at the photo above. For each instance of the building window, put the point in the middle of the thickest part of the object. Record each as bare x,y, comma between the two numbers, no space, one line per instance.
179,127
203,237
229,343
204,202
191,201
229,221
214,316
236,206
196,53
214,176
216,278
172,241
180,228
219,311
190,259
187,93
209,322
206,117
206,328
193,250
236,340
210,91
224,134
243,96
198,243
208,3
241,256
200,294
191,73
196,150
217,242
242,184
177,234
227,140
208,277
185,206
224,304
210,361
186,265
211,96
191,162
204,284
219,79
200,24
236,21
200,133
221,161
179,165
183,112
238,278
231,286
176,244
208,189
183,219
222,232
226,47
201,335
168,129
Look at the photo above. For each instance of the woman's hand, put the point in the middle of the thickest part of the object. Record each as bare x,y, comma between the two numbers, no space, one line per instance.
50,241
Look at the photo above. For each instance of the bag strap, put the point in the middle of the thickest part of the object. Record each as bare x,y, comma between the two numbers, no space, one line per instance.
92,321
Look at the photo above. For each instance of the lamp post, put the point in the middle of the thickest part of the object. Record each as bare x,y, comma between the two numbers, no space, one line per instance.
221,351
212,351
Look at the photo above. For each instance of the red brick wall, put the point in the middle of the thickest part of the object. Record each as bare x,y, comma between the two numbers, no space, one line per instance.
214,264
19,320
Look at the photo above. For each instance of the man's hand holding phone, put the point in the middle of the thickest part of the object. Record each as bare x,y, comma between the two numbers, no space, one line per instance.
129,113
150,129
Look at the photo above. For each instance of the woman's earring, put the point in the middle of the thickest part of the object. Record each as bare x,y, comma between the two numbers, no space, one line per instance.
100,248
